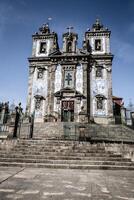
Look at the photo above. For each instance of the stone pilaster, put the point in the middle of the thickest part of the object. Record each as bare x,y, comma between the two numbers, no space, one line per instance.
109,100
51,81
85,88
30,84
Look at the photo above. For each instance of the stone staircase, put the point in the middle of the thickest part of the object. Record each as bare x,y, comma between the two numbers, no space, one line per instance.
62,154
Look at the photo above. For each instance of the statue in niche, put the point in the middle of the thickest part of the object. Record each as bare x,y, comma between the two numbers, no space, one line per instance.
99,103
38,104
43,47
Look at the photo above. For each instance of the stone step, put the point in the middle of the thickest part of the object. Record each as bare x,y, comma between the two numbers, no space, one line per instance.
80,162
67,166
62,148
46,141
62,154
56,144
50,154
68,153
49,143
57,149
56,157
59,143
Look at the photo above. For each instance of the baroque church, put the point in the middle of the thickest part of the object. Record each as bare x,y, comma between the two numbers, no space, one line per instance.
71,84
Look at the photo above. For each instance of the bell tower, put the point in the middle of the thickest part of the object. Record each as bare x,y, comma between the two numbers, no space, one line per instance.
45,42
98,39
70,41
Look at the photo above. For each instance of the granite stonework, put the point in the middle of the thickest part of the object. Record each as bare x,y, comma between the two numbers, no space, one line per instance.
39,184
71,84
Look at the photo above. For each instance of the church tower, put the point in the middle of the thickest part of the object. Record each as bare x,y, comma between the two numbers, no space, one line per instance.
98,41
45,43
70,41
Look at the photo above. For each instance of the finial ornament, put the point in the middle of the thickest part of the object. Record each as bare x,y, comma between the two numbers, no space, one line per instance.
69,29
98,21
97,25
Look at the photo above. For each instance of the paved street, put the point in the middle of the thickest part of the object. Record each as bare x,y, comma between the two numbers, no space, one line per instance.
60,184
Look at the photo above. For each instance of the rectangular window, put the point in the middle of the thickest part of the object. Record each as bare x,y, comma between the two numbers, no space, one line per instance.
98,45
43,47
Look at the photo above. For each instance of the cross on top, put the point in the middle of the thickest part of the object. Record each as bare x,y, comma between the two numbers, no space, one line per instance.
69,29
68,78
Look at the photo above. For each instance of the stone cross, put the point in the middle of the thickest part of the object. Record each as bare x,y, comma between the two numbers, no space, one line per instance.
69,29
68,78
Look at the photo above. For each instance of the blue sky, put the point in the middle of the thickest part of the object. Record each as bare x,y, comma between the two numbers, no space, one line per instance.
19,19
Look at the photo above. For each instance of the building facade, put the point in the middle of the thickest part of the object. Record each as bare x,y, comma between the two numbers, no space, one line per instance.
71,84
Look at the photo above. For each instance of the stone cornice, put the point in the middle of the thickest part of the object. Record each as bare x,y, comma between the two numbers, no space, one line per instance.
44,36
103,56
69,59
61,58
98,33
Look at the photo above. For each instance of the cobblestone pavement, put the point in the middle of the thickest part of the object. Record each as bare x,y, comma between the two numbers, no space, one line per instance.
60,184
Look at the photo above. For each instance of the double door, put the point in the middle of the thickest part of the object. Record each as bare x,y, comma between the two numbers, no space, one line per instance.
67,110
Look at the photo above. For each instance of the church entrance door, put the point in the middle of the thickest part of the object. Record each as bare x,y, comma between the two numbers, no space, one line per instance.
67,111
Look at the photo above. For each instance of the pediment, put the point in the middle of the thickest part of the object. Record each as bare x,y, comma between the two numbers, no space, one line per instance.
68,92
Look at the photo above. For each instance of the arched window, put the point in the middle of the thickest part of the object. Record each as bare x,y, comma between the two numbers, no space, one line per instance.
98,45
43,47
69,47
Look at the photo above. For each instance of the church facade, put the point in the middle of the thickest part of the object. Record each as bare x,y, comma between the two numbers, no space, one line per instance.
71,84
